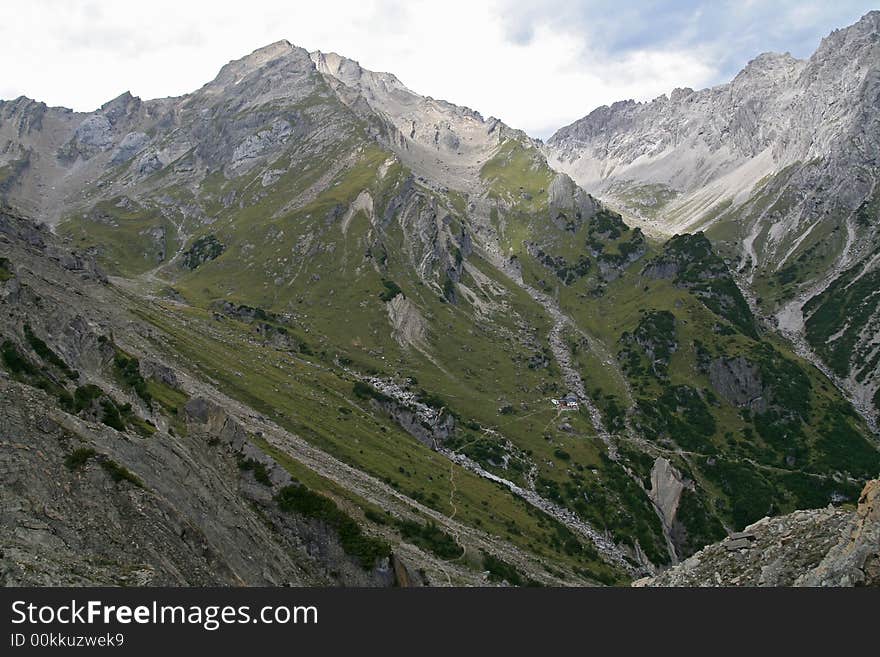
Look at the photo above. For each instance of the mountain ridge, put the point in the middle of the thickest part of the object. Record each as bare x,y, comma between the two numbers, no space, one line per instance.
778,166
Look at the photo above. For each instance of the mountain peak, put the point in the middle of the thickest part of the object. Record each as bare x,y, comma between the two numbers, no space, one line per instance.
773,65
272,51
854,40
350,72
869,20
275,48
294,60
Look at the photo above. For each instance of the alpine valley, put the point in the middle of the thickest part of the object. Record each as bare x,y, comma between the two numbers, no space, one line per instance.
304,326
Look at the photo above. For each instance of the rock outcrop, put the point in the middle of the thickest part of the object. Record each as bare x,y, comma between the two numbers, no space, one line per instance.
667,485
739,382
821,547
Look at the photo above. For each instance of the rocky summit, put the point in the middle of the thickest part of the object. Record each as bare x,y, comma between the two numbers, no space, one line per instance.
304,326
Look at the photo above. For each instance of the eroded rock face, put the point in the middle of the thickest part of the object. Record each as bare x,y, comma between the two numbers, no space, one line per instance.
257,144
94,135
438,141
132,144
820,547
729,135
667,485
151,369
564,194
408,326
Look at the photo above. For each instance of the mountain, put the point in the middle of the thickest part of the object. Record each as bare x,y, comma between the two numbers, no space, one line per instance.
780,168
387,335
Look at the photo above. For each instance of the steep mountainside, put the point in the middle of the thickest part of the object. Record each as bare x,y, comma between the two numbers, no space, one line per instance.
780,168
380,318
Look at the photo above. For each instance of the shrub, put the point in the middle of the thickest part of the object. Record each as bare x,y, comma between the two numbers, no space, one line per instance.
500,570
261,474
391,290
202,250
366,391
15,361
43,351
111,416
129,372
5,270
78,457
376,517
430,537
120,473
84,395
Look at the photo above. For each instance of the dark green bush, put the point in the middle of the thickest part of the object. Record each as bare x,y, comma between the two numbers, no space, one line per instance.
120,473
78,457
299,499
430,537
366,391
15,361
83,396
5,270
45,352
128,369
261,474
500,570
111,415
202,250
391,290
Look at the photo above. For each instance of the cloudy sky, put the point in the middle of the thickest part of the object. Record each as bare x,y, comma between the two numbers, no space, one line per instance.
536,65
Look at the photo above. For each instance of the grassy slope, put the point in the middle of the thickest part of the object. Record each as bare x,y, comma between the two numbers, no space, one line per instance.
314,399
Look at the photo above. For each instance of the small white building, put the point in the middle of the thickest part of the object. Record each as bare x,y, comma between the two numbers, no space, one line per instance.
567,403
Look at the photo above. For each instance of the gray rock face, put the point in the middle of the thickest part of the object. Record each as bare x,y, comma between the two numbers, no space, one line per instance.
132,144
780,167
778,108
564,194
855,560
151,369
739,382
93,135
255,145
667,485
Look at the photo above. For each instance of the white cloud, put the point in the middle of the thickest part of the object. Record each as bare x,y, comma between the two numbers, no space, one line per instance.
82,53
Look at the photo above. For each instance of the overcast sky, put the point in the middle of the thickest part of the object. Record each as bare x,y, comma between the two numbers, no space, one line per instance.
535,65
